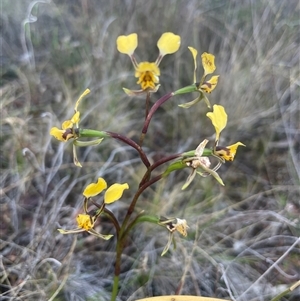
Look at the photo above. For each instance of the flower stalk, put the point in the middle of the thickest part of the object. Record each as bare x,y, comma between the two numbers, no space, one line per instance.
158,103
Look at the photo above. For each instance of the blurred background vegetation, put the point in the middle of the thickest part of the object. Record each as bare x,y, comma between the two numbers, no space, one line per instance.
243,242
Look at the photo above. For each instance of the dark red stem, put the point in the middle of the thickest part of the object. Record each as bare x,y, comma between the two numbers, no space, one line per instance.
133,144
153,110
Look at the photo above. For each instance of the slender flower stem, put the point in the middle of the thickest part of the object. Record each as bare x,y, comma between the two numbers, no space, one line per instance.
161,101
147,104
146,177
104,134
155,165
164,160
123,234
135,198
112,217
133,144
146,114
109,214
119,251
124,230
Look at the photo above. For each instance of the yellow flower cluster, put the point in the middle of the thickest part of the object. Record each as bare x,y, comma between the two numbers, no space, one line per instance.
68,128
147,74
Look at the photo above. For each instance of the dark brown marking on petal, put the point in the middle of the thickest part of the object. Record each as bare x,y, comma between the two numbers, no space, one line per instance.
66,133
221,149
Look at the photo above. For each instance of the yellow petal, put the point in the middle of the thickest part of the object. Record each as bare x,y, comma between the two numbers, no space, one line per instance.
58,134
105,237
140,92
134,92
86,92
168,43
181,226
84,221
68,124
228,152
143,67
75,159
127,44
76,117
189,179
213,173
191,103
167,247
148,74
194,54
208,62
200,148
73,231
114,192
206,100
218,118
95,188
210,85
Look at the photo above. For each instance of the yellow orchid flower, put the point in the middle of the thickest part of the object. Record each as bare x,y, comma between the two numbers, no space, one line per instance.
219,120
147,72
204,86
69,130
203,163
173,225
112,194
85,223
148,75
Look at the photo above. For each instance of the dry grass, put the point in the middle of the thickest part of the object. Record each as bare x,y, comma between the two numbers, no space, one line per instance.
243,241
